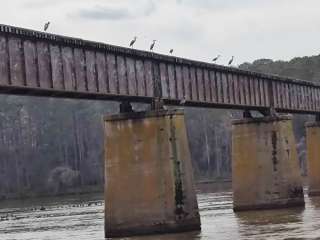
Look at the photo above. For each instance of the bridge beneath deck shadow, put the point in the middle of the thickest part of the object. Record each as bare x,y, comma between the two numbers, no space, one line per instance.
149,183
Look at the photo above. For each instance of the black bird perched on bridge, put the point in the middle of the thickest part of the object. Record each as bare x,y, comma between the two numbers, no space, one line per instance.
152,45
46,26
216,58
171,51
231,60
133,41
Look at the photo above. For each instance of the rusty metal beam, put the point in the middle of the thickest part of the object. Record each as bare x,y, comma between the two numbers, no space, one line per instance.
41,64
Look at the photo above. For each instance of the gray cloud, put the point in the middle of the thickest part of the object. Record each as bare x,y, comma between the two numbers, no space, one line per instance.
116,13
104,13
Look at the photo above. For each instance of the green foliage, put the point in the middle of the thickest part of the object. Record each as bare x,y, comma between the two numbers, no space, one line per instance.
304,68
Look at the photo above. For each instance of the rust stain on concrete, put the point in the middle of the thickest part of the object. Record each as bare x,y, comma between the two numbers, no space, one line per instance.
149,179
265,168
313,159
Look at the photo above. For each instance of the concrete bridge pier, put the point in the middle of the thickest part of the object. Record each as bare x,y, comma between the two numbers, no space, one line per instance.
313,157
265,168
149,180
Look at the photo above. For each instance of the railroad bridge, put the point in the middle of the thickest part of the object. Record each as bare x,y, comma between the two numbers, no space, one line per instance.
149,182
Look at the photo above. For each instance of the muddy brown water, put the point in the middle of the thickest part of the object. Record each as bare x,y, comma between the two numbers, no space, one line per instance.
82,217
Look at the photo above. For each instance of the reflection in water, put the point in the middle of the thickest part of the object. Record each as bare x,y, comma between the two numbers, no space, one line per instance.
83,218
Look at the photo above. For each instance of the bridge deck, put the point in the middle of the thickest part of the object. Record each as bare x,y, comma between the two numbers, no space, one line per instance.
40,64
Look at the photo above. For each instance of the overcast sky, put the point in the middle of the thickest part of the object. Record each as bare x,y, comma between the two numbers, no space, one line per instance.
197,29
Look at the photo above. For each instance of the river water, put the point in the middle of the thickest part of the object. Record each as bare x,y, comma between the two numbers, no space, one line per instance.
82,218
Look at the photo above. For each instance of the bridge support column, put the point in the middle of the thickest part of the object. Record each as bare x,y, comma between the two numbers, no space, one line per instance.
313,157
265,168
149,179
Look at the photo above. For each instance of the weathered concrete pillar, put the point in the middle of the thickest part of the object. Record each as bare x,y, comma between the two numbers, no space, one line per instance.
313,156
149,179
265,168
